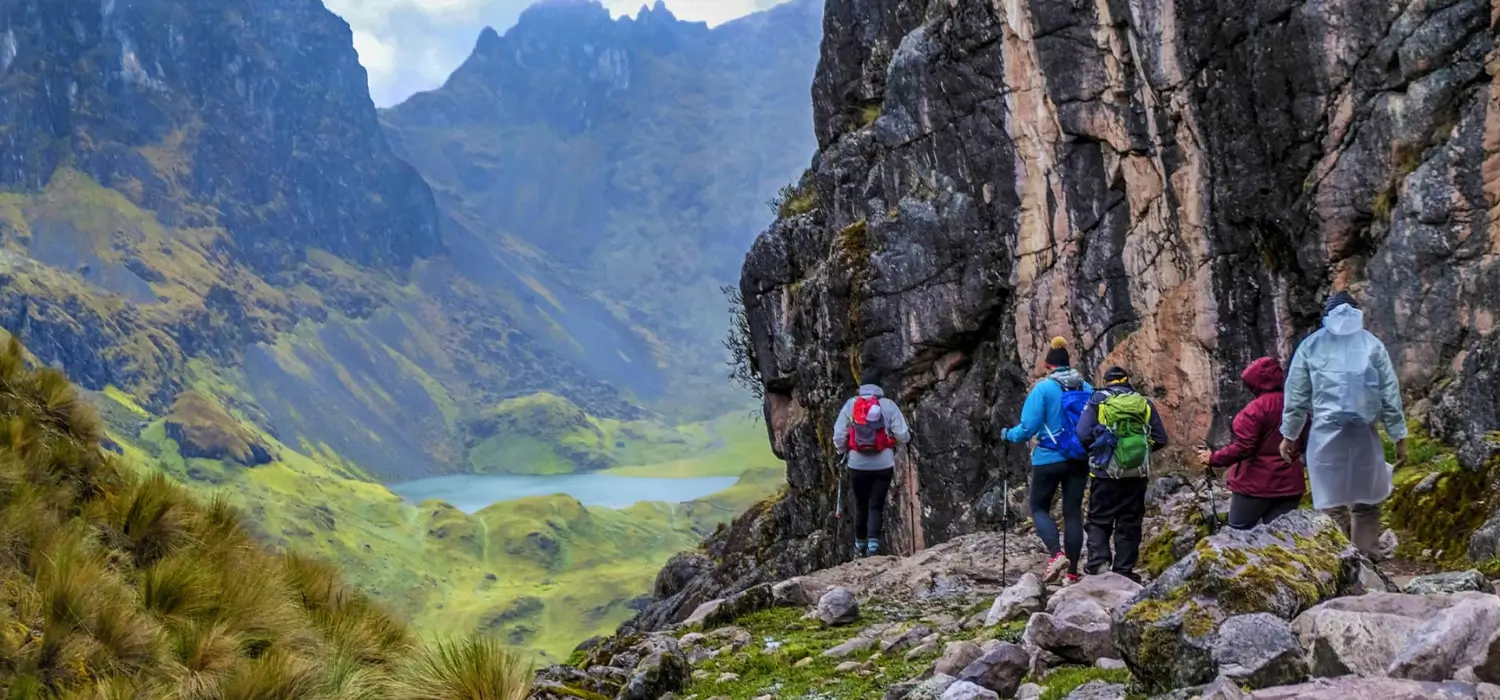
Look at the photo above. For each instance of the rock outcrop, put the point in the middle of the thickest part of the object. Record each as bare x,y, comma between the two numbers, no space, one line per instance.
1173,187
1168,633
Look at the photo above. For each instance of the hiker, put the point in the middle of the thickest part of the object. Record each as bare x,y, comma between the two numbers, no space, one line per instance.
1121,428
1263,485
1342,375
1058,461
868,430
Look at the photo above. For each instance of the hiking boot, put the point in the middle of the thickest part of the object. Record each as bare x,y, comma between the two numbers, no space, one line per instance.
1071,579
860,549
874,549
1055,568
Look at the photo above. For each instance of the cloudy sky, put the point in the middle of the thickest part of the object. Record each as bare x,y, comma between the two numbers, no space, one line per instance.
412,45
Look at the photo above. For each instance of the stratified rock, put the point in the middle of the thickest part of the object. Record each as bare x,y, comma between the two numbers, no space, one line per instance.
1017,602
1167,633
838,607
956,657
1098,690
1000,669
1433,637
1259,651
663,669
1076,624
1449,582
1373,688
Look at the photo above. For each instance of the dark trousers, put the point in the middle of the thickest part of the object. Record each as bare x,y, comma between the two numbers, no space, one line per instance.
1245,512
1116,508
1072,479
869,501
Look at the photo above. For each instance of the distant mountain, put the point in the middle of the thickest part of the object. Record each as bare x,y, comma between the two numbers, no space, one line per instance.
636,153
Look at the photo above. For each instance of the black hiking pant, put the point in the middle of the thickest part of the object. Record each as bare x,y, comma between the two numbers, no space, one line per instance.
1116,508
1245,512
1046,480
869,501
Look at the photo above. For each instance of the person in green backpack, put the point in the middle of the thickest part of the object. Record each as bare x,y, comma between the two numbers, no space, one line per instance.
1121,428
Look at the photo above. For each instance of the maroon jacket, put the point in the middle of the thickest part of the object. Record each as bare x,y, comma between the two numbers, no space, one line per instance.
1255,453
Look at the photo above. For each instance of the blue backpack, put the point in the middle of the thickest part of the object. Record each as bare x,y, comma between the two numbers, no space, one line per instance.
1065,441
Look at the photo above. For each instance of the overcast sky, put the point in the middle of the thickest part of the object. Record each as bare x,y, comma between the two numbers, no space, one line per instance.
412,45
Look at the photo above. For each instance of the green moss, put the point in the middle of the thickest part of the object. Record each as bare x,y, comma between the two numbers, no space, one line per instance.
1061,682
1441,519
760,670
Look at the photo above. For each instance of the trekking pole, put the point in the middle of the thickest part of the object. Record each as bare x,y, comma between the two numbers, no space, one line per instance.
1005,532
1213,503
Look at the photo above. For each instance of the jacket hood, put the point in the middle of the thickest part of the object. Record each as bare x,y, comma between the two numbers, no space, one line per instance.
1068,377
871,390
1344,320
1264,376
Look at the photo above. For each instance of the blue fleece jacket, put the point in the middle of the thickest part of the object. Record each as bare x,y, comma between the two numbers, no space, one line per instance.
1043,412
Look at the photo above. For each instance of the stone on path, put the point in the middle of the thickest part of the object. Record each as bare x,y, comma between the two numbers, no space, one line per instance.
1017,602
1000,669
1259,651
964,690
957,656
1077,622
838,607
1428,638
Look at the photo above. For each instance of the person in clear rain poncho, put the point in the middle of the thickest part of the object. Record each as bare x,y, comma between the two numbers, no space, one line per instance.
1342,375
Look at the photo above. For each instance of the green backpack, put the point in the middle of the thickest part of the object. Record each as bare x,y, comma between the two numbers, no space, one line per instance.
1128,417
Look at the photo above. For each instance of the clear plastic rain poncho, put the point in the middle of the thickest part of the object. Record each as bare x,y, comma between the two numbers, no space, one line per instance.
1343,375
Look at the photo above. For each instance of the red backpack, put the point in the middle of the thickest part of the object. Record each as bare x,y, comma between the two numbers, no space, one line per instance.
868,434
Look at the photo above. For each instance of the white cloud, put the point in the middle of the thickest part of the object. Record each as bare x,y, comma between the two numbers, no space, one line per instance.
412,45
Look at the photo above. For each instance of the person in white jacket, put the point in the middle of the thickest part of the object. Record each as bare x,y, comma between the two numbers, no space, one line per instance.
867,432
1343,377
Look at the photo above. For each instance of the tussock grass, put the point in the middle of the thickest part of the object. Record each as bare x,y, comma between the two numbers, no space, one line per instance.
115,586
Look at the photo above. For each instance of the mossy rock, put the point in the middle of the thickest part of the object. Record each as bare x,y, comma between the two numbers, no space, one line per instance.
1167,632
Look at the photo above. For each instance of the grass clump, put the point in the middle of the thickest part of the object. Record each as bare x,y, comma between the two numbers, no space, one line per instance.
794,199
117,585
1061,682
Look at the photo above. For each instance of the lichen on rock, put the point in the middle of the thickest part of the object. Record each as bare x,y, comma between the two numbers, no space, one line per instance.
1167,632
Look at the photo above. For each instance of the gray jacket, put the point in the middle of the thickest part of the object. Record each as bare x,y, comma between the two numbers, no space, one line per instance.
895,424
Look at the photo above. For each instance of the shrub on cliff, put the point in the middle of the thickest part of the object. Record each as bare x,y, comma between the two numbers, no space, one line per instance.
119,585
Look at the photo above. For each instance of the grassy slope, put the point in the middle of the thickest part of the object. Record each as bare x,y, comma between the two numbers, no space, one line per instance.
119,585
542,574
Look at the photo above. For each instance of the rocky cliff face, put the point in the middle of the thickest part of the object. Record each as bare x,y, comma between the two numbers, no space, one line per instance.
251,115
1173,186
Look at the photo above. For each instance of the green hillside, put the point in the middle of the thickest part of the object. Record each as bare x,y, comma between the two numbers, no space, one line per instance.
540,574
115,584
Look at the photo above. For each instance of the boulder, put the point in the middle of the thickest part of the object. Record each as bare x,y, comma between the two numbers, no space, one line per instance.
1449,582
1432,637
663,669
1017,602
723,610
1110,665
956,657
838,607
1098,690
1000,669
1167,633
797,592
1029,691
964,690
1259,651
932,688
1076,623
1376,688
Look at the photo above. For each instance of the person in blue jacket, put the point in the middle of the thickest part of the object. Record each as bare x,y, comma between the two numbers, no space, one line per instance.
1043,416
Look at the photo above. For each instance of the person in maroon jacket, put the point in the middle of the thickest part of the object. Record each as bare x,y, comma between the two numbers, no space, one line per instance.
1263,485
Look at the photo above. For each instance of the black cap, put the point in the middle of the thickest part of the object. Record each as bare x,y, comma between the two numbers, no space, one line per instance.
1338,300
1115,375
870,377
1057,354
